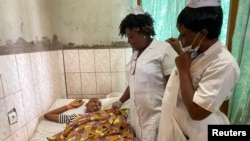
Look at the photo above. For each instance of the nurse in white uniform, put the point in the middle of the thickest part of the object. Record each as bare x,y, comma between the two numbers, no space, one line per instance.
205,75
147,74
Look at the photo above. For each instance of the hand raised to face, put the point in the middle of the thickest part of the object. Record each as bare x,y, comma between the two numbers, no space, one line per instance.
175,43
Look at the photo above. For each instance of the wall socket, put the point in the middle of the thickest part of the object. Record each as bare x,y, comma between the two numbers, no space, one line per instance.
12,116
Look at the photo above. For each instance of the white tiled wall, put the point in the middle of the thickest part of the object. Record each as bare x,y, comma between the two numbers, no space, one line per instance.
30,82
95,72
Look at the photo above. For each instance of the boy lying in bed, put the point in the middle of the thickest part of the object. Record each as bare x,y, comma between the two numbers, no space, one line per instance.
56,115
93,125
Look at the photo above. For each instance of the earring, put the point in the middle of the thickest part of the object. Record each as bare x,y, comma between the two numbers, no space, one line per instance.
144,36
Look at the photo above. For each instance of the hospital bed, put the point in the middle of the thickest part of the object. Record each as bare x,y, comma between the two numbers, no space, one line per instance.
47,128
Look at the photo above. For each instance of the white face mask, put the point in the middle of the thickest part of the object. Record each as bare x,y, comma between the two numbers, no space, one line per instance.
194,51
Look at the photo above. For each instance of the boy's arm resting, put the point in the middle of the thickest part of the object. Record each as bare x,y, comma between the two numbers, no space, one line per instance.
54,114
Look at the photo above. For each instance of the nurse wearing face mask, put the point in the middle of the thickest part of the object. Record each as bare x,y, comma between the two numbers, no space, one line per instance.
181,48
205,75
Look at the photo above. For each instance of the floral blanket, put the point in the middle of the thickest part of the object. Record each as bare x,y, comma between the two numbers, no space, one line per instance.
105,125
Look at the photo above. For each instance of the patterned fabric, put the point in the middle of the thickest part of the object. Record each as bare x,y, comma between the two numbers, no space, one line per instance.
105,125
67,118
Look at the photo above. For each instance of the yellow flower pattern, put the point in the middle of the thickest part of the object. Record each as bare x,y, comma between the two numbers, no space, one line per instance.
104,125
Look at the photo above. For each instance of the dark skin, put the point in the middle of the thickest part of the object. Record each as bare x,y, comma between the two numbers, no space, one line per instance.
137,40
140,42
93,105
183,64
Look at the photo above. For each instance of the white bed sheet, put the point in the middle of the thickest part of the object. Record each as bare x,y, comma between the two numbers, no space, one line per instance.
48,128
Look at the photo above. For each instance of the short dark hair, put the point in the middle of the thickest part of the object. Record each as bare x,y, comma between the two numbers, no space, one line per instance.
209,18
142,23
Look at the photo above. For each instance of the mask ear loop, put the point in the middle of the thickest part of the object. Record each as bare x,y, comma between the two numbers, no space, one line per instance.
198,47
195,51
195,39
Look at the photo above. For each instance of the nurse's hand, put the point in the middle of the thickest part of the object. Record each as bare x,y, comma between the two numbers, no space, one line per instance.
175,43
183,62
117,105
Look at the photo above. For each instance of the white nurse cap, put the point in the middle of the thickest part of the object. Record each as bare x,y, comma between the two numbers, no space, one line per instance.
138,10
203,3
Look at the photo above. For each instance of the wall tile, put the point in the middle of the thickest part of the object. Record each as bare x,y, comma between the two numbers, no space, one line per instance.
36,67
63,85
20,135
86,96
71,59
103,83
1,87
24,70
59,86
39,91
48,93
118,81
102,60
75,96
31,127
8,139
117,60
55,62
88,83
30,103
46,66
87,60
43,80
60,61
16,101
8,71
5,128
73,83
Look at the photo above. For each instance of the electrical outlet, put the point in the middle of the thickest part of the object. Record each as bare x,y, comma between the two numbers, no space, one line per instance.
12,116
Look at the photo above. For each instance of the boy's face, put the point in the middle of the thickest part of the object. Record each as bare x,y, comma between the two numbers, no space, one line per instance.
93,105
